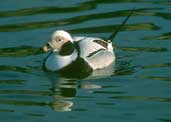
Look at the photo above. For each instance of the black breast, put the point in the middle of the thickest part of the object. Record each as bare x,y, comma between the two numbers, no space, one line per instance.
77,69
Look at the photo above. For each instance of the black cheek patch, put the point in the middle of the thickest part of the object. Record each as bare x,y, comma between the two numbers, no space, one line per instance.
67,49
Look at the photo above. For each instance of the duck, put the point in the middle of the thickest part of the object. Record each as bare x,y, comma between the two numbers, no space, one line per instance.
77,54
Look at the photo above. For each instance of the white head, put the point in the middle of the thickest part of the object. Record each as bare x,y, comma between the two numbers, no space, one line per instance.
58,39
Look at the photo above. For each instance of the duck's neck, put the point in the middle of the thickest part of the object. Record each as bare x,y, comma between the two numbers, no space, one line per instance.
59,60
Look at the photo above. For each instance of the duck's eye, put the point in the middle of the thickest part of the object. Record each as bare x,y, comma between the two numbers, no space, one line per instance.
58,39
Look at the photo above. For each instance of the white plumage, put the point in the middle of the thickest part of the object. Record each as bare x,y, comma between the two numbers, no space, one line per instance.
96,52
100,59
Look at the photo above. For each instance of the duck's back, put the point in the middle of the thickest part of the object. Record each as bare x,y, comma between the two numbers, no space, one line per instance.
95,51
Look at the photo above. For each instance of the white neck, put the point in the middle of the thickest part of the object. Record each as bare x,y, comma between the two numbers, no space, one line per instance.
56,62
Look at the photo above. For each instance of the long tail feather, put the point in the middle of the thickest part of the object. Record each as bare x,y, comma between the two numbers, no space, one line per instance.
112,36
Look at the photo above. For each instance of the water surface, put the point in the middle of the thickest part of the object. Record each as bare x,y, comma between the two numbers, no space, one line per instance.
136,89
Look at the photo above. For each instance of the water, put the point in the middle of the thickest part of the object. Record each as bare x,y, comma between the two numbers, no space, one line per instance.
135,89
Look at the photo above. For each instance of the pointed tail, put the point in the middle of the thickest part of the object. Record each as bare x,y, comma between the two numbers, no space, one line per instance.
112,36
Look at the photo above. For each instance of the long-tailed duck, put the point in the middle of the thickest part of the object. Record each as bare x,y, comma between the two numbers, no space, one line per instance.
77,54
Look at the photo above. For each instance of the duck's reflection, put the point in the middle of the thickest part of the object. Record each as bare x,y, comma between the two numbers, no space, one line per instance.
65,89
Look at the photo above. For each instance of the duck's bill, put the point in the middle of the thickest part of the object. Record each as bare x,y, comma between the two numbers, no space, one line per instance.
47,47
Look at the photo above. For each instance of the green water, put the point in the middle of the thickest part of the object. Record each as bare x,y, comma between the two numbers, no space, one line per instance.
136,89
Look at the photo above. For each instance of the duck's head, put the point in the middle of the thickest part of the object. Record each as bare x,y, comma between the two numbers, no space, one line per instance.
61,42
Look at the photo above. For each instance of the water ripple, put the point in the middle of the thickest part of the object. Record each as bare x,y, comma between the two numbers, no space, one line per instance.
144,49
160,99
23,103
20,51
165,119
160,78
29,92
9,82
71,21
13,68
45,10
157,65
165,36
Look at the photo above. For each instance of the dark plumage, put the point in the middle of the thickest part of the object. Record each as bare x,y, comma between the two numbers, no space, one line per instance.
67,49
78,68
